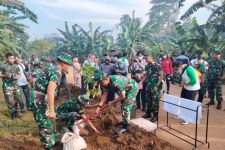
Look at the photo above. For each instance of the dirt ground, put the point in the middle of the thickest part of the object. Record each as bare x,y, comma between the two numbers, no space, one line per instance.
135,139
216,134
23,134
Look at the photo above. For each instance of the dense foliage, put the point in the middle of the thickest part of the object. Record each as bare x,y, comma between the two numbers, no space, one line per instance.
12,33
163,31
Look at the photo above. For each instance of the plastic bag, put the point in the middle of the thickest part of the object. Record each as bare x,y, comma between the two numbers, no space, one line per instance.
72,141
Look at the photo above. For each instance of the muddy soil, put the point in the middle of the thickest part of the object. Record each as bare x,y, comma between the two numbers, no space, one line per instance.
135,139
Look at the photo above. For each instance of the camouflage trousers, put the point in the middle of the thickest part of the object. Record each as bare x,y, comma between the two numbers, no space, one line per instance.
152,101
67,113
128,103
12,97
215,85
41,111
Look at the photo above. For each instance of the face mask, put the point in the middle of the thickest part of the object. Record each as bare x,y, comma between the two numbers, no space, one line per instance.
140,57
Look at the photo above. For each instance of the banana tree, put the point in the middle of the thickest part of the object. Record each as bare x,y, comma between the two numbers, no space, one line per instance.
133,34
20,6
195,7
12,33
85,42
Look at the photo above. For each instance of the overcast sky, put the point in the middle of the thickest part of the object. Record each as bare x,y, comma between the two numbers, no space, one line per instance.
53,13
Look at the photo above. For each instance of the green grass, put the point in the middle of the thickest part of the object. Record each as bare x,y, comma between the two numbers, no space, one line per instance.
8,127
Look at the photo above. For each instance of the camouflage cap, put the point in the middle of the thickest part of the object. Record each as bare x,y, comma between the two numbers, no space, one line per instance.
83,99
217,52
65,58
99,75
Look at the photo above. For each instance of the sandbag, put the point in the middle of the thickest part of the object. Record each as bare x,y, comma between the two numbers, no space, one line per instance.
73,141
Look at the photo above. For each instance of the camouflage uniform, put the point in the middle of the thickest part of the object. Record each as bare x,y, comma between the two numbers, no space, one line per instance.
40,105
153,71
36,73
206,83
71,111
10,87
216,70
121,84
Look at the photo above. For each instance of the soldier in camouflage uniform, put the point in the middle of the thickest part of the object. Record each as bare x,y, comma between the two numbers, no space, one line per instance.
215,76
44,110
154,77
71,111
126,89
209,60
10,74
36,71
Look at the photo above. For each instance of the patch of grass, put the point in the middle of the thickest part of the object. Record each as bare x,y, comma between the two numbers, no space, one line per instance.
8,127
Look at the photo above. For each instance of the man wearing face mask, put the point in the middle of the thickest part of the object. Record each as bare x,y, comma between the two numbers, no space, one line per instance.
106,67
215,76
166,64
140,63
138,67
201,66
122,68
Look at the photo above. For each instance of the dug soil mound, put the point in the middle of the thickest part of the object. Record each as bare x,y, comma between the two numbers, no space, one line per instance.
20,143
135,139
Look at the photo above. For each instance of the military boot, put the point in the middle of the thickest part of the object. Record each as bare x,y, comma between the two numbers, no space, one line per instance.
17,115
210,103
13,116
122,129
154,117
147,115
219,105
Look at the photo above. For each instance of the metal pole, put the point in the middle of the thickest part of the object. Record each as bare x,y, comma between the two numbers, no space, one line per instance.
158,113
167,116
196,127
207,125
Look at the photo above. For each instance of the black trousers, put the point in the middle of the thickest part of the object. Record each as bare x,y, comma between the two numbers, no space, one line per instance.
168,82
187,94
201,93
25,90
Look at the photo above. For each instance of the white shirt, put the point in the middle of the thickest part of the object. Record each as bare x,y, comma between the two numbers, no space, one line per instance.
186,79
22,80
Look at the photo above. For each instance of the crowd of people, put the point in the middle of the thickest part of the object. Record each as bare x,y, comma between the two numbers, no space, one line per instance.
136,83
